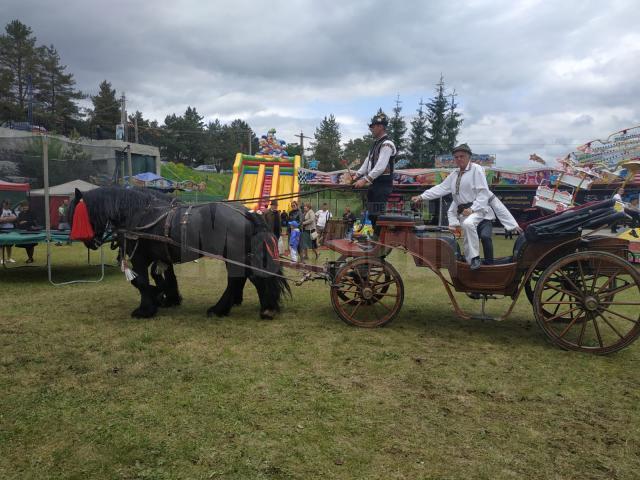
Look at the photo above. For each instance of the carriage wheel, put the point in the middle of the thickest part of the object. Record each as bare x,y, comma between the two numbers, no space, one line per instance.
367,292
597,296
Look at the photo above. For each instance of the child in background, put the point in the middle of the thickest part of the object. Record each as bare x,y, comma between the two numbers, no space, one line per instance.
7,217
294,240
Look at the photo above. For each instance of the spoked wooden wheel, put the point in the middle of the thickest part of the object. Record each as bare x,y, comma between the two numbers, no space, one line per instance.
367,292
589,301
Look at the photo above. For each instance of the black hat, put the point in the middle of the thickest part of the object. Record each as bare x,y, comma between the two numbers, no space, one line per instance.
379,119
463,147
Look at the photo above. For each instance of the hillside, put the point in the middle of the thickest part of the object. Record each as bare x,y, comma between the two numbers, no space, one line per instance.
217,183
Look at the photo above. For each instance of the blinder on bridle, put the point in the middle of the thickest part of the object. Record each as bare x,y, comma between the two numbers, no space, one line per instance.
100,237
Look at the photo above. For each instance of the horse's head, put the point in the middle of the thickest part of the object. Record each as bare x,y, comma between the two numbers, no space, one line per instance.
99,227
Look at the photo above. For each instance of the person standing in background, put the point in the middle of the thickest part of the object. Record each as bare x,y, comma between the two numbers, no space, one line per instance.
322,217
349,219
7,217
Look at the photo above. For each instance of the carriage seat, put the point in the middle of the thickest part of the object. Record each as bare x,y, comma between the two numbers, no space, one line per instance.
428,231
396,219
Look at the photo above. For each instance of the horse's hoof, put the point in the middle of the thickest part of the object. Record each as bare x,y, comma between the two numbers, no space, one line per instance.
267,314
237,301
143,313
217,311
171,301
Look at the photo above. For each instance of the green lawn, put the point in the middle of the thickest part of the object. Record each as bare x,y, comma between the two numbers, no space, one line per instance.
88,392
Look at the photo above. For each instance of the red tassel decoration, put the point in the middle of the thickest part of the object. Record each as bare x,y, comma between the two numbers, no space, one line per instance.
81,229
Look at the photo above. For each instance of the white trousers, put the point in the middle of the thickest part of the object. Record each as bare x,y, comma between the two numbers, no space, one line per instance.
470,231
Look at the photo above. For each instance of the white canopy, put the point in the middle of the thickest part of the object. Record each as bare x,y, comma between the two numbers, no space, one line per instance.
68,188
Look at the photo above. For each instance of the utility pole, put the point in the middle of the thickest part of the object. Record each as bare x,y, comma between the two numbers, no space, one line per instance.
123,116
135,126
302,137
129,166
249,133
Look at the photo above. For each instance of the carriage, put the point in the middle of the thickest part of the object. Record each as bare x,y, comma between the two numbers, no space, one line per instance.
583,290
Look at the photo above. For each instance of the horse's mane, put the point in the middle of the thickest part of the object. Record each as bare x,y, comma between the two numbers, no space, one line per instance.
122,204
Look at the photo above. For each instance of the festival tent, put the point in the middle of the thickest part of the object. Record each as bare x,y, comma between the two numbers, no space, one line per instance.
65,189
152,180
14,192
13,187
57,194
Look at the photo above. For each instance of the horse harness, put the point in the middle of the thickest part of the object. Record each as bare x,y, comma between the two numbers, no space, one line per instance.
166,239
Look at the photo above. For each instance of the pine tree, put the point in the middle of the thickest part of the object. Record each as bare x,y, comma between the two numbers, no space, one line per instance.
452,124
243,134
356,150
437,118
326,148
106,111
18,60
215,142
418,138
185,140
56,94
398,130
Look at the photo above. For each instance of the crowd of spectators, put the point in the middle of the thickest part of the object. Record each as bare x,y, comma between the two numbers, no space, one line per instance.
301,229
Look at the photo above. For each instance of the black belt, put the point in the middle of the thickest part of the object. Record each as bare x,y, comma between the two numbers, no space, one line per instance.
463,206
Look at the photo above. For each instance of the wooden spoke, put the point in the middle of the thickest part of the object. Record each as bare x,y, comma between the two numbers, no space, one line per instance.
610,326
620,315
610,293
595,326
546,302
568,327
619,303
576,289
561,290
581,336
608,281
355,309
561,314
580,269
385,295
595,278
384,284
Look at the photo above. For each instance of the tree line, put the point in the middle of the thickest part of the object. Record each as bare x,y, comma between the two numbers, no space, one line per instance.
36,87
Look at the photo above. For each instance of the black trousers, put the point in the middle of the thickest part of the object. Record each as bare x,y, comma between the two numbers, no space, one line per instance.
377,196
485,231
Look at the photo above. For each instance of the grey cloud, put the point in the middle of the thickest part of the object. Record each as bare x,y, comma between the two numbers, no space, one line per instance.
244,59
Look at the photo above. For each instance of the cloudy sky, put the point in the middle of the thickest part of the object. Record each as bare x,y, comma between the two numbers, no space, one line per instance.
531,76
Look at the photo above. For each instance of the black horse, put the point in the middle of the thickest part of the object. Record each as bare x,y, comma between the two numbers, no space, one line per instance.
161,232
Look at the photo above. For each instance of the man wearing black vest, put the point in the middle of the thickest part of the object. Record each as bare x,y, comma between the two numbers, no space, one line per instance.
376,172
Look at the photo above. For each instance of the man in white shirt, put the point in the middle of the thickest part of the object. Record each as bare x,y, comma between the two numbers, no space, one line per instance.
468,186
322,217
618,198
376,172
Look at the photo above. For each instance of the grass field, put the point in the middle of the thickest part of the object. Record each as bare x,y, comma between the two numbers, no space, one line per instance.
88,392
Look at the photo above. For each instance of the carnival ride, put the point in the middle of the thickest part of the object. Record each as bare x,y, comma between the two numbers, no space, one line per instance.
271,173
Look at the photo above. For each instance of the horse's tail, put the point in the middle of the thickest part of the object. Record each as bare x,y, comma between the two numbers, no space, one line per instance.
265,256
